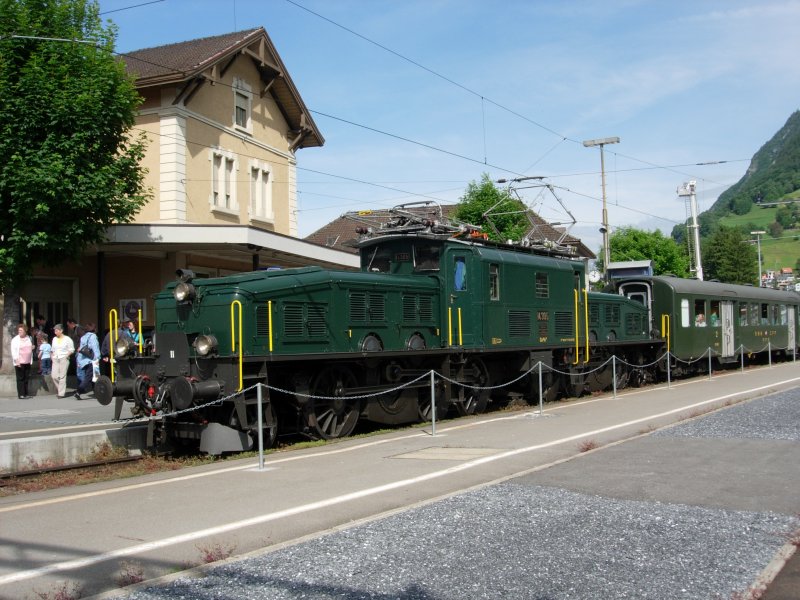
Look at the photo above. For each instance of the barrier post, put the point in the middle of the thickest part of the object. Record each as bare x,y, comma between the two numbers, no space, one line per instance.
709,362
260,429
769,351
669,374
614,372
741,356
433,405
540,389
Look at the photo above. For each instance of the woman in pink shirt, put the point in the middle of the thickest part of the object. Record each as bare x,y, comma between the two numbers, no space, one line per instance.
22,353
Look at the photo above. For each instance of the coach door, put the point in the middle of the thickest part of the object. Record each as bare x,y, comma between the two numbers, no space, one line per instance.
790,325
726,318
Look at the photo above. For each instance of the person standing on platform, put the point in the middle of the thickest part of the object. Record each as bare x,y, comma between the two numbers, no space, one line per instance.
88,353
22,354
45,359
63,348
75,332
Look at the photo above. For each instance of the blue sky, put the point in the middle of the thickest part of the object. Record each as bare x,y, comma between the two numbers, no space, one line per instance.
678,82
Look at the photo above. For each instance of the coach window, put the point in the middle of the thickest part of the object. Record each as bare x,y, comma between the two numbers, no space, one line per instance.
753,320
460,274
764,314
685,313
713,316
494,282
699,313
784,319
743,313
775,317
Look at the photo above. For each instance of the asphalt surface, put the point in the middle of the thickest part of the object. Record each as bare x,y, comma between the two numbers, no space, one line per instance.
507,505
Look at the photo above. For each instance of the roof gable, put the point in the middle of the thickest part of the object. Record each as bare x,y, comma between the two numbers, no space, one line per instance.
193,63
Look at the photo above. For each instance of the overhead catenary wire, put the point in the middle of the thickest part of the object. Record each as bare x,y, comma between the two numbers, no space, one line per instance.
395,136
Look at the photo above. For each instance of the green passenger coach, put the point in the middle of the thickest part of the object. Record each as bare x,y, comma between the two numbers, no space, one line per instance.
695,316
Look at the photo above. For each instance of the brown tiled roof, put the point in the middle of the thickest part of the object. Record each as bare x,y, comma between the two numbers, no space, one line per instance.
184,58
193,60
341,233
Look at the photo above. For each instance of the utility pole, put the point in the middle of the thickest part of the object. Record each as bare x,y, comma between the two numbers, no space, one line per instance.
687,190
604,229
758,235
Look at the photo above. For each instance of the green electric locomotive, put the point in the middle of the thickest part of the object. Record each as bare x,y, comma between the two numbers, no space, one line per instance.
336,346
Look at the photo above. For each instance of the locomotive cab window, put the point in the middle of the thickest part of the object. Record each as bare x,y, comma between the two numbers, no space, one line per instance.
426,257
460,274
494,282
379,260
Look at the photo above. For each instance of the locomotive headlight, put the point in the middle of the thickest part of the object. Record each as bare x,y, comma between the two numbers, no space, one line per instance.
184,292
205,344
124,346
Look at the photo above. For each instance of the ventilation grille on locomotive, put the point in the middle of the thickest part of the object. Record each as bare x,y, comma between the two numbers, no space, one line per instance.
519,323
417,309
305,321
633,324
262,320
612,314
564,324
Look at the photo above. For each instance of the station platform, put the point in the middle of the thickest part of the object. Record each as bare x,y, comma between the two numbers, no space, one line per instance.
45,429
684,491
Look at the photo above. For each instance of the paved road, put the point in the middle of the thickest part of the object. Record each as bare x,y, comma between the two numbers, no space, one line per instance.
501,506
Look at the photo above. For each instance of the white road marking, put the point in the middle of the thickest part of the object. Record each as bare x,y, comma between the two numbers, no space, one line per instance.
297,510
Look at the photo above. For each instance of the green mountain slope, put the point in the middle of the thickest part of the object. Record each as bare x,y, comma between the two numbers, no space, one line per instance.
773,174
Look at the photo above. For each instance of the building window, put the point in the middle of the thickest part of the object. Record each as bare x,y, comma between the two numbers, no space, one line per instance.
242,105
261,191
223,180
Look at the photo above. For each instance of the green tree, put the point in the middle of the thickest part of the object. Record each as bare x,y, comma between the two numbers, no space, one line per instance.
784,216
68,167
628,243
506,221
775,229
729,257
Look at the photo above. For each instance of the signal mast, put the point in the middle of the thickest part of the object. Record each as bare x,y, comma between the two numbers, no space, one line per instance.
687,190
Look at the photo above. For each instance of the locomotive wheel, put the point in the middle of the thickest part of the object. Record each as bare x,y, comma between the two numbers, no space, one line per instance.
270,432
424,411
469,401
334,415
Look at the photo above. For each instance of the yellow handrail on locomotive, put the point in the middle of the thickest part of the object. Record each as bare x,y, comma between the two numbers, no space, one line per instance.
233,339
113,336
586,321
666,331
449,325
577,329
269,321
141,336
